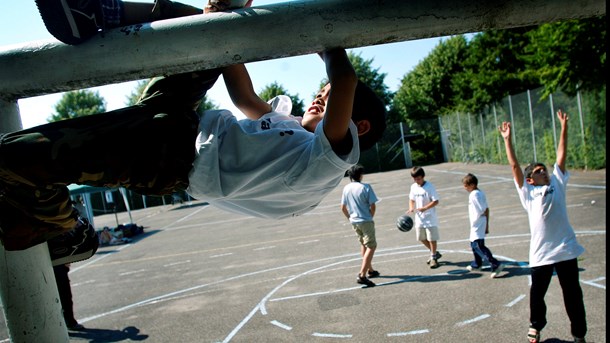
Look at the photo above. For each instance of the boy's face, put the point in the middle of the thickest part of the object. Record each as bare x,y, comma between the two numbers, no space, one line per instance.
419,180
468,188
316,110
539,177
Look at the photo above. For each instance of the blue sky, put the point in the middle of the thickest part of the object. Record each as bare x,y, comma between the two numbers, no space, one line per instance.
300,75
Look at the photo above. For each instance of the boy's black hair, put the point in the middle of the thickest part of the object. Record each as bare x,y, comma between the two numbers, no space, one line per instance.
355,172
470,179
417,171
527,171
368,106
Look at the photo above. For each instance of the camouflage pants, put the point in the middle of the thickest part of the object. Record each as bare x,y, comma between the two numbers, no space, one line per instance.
148,148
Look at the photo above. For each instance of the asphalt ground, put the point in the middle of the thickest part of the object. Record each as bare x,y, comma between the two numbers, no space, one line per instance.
199,274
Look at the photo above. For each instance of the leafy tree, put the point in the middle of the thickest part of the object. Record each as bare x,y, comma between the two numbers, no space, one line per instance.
494,67
274,89
427,89
78,103
570,55
371,76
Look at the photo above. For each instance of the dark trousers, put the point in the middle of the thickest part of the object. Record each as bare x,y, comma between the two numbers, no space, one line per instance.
567,273
65,293
480,252
148,148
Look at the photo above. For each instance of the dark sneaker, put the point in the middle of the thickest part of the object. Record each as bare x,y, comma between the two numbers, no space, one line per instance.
373,273
364,281
71,21
76,245
437,256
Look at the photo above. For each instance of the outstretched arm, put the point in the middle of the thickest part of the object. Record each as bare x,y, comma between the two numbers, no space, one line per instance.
562,148
343,81
510,153
241,91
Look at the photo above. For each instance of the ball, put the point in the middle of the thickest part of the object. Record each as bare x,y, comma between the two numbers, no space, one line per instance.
404,223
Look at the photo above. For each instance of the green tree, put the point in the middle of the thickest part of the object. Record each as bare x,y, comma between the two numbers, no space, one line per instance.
569,55
371,76
494,66
78,103
427,90
274,89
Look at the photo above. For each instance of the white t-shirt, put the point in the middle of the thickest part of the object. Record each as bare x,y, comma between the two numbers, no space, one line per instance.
423,195
477,204
358,197
268,168
552,237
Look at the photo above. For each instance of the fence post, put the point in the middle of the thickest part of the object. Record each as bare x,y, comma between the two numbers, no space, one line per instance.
444,139
582,127
406,149
30,300
529,102
497,136
553,120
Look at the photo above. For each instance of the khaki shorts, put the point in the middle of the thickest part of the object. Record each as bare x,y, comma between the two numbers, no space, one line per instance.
427,233
366,234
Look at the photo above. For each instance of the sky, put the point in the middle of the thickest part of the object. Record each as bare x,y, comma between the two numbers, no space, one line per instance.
300,75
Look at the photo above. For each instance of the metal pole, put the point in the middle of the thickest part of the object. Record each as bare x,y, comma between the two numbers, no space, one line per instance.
132,52
582,126
529,102
30,300
460,129
497,136
512,120
406,152
553,120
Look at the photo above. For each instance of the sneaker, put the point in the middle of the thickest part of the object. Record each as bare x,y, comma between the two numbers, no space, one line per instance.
496,272
433,263
76,245
533,335
373,273
437,256
473,269
364,281
71,21
579,340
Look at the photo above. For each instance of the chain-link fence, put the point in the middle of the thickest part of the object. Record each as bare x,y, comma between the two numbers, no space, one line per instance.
475,137
465,137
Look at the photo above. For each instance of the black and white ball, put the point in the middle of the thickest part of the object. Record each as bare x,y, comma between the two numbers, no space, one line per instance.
404,223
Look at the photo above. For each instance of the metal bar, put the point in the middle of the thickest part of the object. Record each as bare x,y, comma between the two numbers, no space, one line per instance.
260,33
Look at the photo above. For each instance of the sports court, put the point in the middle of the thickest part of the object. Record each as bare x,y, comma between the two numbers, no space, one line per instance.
198,274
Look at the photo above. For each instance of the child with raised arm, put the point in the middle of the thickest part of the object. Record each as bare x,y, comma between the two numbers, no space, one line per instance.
553,244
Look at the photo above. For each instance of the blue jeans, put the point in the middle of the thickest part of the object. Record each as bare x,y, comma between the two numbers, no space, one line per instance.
481,252
567,273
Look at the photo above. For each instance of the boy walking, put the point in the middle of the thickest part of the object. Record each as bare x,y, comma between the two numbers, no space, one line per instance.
553,244
478,213
422,201
358,205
